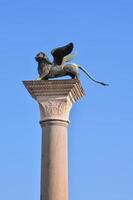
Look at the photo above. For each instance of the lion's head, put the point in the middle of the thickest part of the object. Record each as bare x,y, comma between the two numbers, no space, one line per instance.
42,57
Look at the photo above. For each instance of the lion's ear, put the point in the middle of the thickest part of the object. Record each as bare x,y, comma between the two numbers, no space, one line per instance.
36,58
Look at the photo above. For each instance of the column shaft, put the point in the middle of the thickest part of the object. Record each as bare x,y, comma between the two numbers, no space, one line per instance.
54,166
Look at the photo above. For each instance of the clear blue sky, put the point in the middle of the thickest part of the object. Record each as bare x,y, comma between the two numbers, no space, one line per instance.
101,129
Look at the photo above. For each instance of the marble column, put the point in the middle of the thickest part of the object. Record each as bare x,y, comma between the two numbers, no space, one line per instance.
55,99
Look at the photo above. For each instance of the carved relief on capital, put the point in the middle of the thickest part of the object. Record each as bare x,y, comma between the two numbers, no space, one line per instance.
55,109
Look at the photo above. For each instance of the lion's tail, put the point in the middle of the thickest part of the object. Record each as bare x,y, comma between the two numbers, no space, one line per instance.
93,79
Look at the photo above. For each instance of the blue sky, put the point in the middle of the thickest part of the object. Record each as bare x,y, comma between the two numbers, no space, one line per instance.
101,129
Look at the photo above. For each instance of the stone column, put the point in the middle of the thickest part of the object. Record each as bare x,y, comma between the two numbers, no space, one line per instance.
55,98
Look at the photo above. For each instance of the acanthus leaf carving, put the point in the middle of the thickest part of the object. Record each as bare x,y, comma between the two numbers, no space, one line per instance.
55,109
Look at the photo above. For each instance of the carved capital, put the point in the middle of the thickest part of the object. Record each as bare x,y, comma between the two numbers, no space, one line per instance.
55,109
55,97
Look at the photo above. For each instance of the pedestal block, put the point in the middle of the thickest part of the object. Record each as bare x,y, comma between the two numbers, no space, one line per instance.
55,99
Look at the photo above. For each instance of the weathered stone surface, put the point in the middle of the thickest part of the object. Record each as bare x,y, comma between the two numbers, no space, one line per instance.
54,164
55,97
55,100
57,88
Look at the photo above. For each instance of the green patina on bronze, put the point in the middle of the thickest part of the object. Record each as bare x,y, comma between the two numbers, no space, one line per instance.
58,67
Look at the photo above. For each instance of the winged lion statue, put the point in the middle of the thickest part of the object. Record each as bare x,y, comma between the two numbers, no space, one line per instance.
59,66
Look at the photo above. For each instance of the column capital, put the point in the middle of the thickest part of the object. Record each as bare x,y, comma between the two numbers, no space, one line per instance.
55,97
